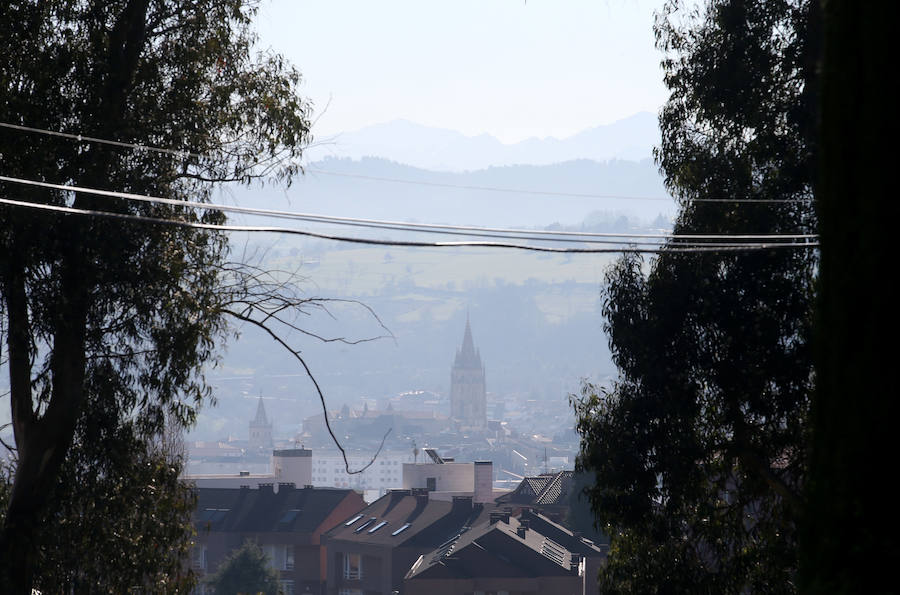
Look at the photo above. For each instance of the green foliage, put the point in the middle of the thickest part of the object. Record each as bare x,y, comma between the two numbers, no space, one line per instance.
107,325
245,571
121,526
700,445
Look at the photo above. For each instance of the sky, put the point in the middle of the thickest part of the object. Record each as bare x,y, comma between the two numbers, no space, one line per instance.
513,69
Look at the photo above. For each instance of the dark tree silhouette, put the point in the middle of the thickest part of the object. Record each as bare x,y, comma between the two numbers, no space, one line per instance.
246,570
106,325
700,445
851,542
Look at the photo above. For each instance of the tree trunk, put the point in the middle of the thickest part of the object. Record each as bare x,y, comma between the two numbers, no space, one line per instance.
42,442
850,542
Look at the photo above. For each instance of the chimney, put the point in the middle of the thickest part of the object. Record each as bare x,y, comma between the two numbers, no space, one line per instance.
499,516
266,488
484,482
521,530
462,502
286,486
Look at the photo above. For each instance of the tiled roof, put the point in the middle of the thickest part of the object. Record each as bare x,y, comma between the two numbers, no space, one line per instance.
402,518
496,550
556,490
541,489
574,543
263,511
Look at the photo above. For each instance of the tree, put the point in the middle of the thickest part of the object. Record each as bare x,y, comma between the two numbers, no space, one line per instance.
700,445
101,316
850,542
246,571
123,525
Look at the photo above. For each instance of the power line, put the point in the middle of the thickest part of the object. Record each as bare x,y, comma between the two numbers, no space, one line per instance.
396,243
103,141
558,236
178,153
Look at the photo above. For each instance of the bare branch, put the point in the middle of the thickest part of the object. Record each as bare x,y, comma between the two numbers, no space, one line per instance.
321,395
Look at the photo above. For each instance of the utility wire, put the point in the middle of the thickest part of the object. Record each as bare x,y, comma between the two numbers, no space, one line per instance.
177,153
542,235
103,141
396,243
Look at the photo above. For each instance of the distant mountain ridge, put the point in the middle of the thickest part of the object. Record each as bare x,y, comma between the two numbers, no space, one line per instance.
438,149
533,196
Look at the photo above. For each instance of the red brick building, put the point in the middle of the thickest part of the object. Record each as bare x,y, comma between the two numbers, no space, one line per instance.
287,524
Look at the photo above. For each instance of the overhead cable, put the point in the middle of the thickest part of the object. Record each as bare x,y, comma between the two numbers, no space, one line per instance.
179,153
103,141
582,237
415,244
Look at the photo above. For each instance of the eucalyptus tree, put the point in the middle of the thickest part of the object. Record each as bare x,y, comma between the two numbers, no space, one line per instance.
106,325
700,445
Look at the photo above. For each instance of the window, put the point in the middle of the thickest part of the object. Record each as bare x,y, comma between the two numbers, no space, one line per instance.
378,526
289,559
286,587
269,551
350,592
198,557
353,567
364,525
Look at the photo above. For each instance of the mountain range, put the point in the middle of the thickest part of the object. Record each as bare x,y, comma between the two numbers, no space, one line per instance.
439,149
509,196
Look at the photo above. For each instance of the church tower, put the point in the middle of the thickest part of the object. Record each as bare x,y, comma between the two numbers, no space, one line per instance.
260,429
468,399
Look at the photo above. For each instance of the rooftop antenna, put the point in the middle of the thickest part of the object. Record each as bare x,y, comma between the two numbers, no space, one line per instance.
545,459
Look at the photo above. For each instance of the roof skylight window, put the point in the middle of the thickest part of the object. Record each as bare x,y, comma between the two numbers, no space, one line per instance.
364,525
378,526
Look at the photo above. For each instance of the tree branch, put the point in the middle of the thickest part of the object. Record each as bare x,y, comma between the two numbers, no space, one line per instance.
19,348
321,395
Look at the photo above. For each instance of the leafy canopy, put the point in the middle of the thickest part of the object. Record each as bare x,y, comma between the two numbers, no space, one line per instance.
700,445
105,325
246,570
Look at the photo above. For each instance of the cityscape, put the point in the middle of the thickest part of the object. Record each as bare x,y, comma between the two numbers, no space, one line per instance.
470,298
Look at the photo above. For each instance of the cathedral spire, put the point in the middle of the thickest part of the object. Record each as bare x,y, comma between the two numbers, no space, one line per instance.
261,419
468,400
468,346
467,356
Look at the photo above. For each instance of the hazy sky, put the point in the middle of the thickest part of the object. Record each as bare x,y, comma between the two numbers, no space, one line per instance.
510,68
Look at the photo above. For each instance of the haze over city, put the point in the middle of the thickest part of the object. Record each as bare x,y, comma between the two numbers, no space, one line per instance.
418,298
